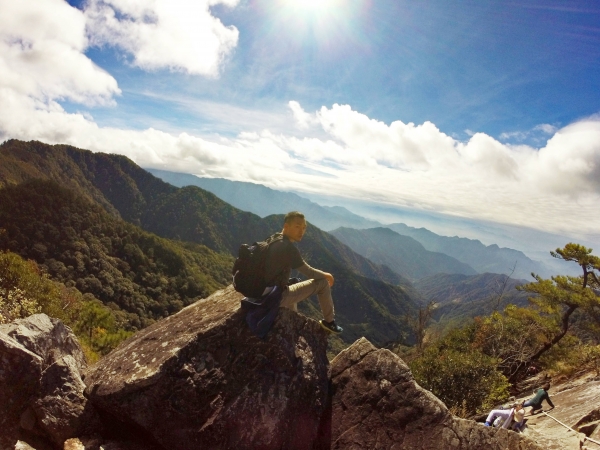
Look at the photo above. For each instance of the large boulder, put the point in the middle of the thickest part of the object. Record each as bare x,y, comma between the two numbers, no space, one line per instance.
377,404
201,379
41,391
48,338
20,371
61,410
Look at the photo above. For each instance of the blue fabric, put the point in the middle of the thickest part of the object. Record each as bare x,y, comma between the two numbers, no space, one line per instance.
262,312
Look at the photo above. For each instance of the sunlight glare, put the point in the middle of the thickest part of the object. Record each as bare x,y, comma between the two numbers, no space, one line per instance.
313,6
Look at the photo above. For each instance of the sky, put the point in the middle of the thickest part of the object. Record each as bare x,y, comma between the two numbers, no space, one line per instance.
479,110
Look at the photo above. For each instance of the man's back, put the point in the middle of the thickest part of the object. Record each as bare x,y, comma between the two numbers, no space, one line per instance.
282,257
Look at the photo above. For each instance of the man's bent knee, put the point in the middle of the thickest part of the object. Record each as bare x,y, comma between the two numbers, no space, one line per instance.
322,283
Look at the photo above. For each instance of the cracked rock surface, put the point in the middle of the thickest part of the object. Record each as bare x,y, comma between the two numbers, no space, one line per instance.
41,391
377,404
201,379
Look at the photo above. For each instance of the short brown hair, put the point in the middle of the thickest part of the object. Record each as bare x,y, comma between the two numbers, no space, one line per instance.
289,217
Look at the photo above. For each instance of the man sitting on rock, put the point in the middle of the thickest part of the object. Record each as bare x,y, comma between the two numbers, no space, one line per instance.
283,256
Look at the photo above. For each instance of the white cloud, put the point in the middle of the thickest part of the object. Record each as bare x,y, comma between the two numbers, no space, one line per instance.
488,156
570,162
537,133
43,59
181,35
555,187
546,128
518,135
303,119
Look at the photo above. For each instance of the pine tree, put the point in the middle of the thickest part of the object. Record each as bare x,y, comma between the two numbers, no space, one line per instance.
562,295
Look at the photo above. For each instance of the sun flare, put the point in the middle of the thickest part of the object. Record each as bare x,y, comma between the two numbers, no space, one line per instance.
313,6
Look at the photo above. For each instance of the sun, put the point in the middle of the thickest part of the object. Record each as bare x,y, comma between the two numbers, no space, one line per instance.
313,6
325,23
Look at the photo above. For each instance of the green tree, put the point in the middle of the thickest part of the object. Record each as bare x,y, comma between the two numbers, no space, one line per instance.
561,296
512,337
97,327
94,318
466,381
419,321
25,290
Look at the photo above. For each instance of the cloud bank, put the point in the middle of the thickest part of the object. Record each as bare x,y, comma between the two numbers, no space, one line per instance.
180,35
335,150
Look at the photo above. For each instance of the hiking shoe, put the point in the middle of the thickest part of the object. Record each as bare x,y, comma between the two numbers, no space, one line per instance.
331,327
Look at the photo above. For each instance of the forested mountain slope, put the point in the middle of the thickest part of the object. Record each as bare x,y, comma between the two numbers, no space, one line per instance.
81,245
126,190
460,297
402,254
366,302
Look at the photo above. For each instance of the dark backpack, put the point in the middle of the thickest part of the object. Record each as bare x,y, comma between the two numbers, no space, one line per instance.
249,268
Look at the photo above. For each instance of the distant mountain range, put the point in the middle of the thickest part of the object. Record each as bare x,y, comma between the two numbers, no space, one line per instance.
371,300
263,201
402,254
483,258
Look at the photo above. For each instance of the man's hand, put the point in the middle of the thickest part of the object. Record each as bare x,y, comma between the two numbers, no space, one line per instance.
329,278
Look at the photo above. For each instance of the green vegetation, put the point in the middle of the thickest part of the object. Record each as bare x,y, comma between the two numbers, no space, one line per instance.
471,367
460,373
139,276
373,300
25,289
561,296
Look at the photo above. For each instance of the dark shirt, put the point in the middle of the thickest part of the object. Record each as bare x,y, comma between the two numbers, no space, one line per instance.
540,396
282,257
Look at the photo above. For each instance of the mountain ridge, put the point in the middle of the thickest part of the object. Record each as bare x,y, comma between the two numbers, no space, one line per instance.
402,254
244,195
491,258
367,306
472,252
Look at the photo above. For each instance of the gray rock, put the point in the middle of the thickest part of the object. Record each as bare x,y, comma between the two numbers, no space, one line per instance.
62,411
41,391
378,405
200,379
47,337
20,371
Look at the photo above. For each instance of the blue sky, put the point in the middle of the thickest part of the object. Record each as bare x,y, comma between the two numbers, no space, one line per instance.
491,67
483,110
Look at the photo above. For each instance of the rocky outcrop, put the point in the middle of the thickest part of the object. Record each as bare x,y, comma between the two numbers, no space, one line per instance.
20,371
61,410
48,338
377,404
41,391
200,379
